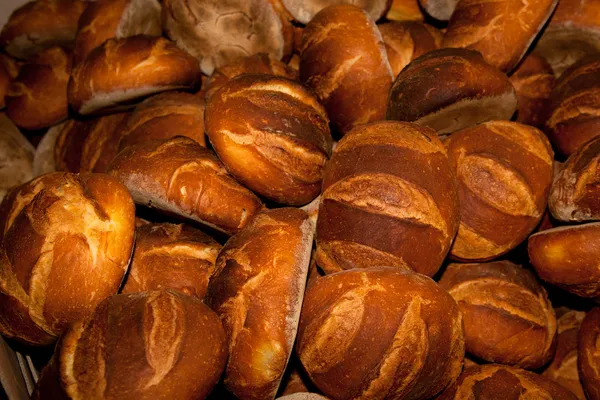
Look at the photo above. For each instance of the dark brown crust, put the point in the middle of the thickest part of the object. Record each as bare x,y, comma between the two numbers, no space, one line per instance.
258,290
181,177
123,70
588,361
507,316
169,256
380,333
66,244
9,69
343,60
389,198
272,135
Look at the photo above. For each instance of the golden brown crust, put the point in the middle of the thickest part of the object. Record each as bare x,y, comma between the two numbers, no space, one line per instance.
124,70
218,33
66,244
16,156
574,102
37,97
260,63
588,361
504,173
487,381
380,333
304,11
451,89
169,256
258,290
106,19
568,257
40,24
389,198
407,40
343,60
181,177
165,116
405,10
501,30
507,316
533,81
152,345
272,135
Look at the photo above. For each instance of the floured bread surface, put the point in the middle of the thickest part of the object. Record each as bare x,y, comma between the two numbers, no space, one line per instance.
16,156
439,9
304,10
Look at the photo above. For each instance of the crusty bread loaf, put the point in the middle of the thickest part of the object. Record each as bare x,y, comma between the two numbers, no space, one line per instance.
389,198
563,368
404,41
439,9
181,177
504,173
122,71
257,290
87,145
40,24
153,345
16,156
501,31
572,33
568,257
380,333
295,379
66,241
164,116
492,380
573,117
43,159
507,316
304,11
9,69
170,256
106,19
575,193
218,32
260,63
37,97
588,360
451,89
405,10
343,60
533,81
303,396
272,135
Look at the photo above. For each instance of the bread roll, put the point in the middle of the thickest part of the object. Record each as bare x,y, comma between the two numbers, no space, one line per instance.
218,33
573,119
37,97
303,396
504,173
9,69
16,157
501,31
405,10
451,89
304,11
257,290
272,135
43,159
164,116
343,60
508,318
87,145
533,81
572,33
439,9
588,360
106,19
154,345
180,177
170,256
407,40
295,379
563,369
568,257
389,198
488,381
66,241
121,71
380,333
40,24
256,64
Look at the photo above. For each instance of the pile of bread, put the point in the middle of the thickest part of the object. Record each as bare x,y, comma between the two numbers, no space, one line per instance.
303,199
